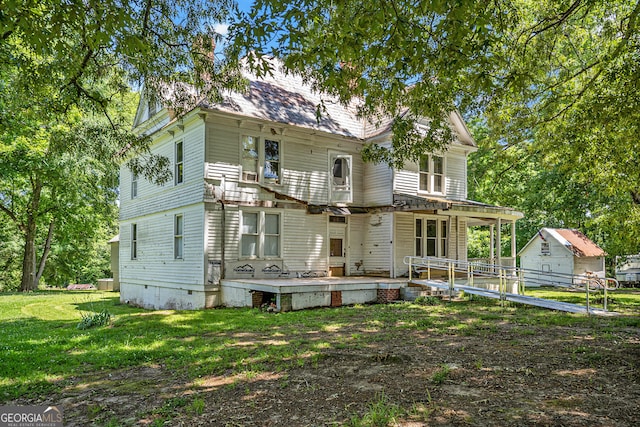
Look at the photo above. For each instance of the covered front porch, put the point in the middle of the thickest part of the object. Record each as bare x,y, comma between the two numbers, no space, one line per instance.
500,221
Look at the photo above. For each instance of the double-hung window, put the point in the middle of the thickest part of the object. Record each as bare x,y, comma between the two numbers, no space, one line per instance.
250,158
431,174
134,241
260,235
261,160
134,185
179,155
272,161
431,237
178,237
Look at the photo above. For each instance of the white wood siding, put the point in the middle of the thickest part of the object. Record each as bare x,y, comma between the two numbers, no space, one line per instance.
305,169
378,238
404,240
155,263
356,248
305,245
377,184
455,168
581,265
456,175
154,198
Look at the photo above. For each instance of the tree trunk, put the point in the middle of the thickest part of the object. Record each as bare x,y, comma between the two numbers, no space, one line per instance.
45,253
28,282
29,258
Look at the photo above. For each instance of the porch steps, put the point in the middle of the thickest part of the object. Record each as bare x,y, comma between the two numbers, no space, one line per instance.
521,299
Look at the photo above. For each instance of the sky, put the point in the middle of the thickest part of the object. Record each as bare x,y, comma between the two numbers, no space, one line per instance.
244,5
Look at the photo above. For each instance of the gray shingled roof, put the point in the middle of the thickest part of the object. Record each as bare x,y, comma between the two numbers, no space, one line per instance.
285,98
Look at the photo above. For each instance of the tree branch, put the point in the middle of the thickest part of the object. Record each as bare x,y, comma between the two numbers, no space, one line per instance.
12,215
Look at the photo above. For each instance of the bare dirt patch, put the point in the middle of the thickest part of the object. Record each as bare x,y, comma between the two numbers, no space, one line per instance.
503,375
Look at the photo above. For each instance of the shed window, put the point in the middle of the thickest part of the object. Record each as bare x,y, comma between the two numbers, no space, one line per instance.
544,248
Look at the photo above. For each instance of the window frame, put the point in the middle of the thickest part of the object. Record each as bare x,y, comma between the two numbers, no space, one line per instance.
341,193
430,174
260,235
179,163
134,241
256,173
278,179
422,239
545,248
134,185
261,160
178,236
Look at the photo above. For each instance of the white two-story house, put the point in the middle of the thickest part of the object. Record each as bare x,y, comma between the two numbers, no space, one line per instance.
263,189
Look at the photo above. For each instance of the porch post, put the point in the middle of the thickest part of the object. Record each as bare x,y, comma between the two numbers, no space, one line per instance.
513,243
498,245
491,244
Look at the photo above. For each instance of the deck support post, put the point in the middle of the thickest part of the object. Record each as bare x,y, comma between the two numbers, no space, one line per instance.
492,244
514,252
499,242
452,275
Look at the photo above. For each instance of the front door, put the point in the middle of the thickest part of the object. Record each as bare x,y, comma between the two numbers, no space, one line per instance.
337,245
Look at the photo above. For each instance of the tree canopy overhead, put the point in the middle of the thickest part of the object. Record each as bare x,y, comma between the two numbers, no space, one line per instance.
66,72
72,44
529,66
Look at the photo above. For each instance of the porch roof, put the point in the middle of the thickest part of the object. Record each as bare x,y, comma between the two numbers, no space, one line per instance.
478,213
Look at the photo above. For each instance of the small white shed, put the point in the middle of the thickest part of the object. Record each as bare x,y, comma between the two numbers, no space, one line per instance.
555,256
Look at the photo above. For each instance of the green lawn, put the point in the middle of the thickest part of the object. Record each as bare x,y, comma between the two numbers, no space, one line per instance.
625,301
43,350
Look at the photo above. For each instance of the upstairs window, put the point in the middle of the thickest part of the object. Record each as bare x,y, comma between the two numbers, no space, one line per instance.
272,161
431,174
250,158
261,160
178,242
341,173
134,185
340,177
152,106
179,172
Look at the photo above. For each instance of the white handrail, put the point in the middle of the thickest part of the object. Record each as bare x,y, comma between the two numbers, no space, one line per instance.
473,269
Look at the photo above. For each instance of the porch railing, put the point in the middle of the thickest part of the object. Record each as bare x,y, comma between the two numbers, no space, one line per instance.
505,274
